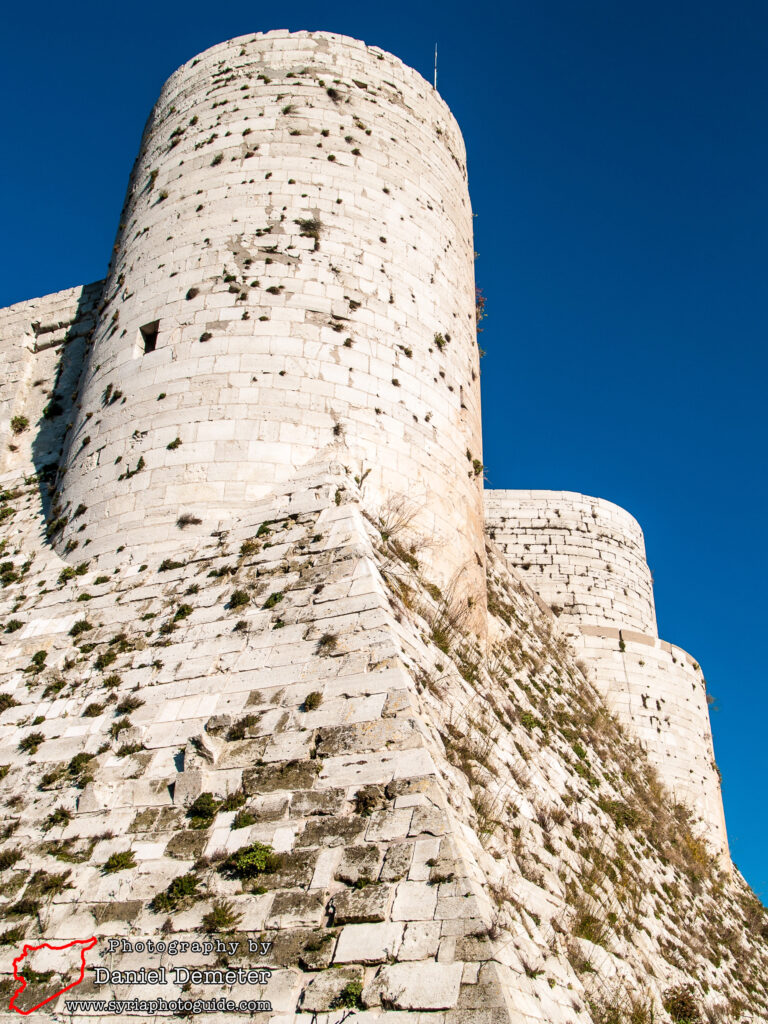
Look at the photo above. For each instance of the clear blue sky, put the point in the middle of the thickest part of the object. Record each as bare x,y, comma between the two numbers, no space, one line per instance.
618,160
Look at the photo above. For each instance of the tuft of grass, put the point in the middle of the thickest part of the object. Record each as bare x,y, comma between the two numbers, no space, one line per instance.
313,700
681,1005
203,810
309,228
232,801
222,917
30,743
243,819
121,861
350,997
56,819
237,730
169,563
182,889
8,858
327,644
104,660
128,704
187,518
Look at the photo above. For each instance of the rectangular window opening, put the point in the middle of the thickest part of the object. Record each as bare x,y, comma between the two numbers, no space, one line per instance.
149,336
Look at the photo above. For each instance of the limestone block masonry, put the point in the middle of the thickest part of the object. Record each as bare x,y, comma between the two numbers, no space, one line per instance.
242,687
585,557
293,278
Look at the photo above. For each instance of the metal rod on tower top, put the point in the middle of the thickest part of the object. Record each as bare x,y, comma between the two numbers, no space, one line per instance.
435,67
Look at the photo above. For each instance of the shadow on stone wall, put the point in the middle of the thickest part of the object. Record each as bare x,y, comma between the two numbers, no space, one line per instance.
57,414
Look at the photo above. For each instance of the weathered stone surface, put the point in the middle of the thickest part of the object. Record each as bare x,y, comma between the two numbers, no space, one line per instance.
331,831
307,802
323,992
397,861
359,863
416,986
291,775
414,901
345,739
421,941
356,906
187,845
290,909
369,943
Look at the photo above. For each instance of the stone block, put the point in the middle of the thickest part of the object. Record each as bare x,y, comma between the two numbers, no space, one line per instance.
416,986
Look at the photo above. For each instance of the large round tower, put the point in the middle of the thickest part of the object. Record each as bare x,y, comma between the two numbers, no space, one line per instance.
292,281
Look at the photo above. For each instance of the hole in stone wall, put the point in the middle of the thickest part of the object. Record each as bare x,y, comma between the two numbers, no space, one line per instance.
148,337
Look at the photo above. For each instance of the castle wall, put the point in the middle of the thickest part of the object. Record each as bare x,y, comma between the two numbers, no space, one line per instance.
273,347
586,558
33,336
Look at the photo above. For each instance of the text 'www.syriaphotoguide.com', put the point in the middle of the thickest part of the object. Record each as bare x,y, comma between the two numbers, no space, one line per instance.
160,1005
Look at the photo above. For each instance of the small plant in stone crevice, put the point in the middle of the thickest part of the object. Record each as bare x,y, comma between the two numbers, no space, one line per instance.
186,518
58,818
350,997
327,644
252,861
618,1006
237,729
313,701
93,710
8,858
681,1005
203,810
119,726
238,599
272,600
310,228
168,563
121,861
30,743
7,701
183,890
233,801
129,748
243,819
19,424
128,704
222,917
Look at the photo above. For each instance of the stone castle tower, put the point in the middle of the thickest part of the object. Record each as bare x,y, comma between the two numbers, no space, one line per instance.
294,275
257,447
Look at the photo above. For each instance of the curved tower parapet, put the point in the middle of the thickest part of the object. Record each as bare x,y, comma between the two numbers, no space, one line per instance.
583,556
292,281
586,558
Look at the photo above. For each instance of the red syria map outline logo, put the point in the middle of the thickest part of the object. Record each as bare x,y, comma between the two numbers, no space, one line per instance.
86,945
